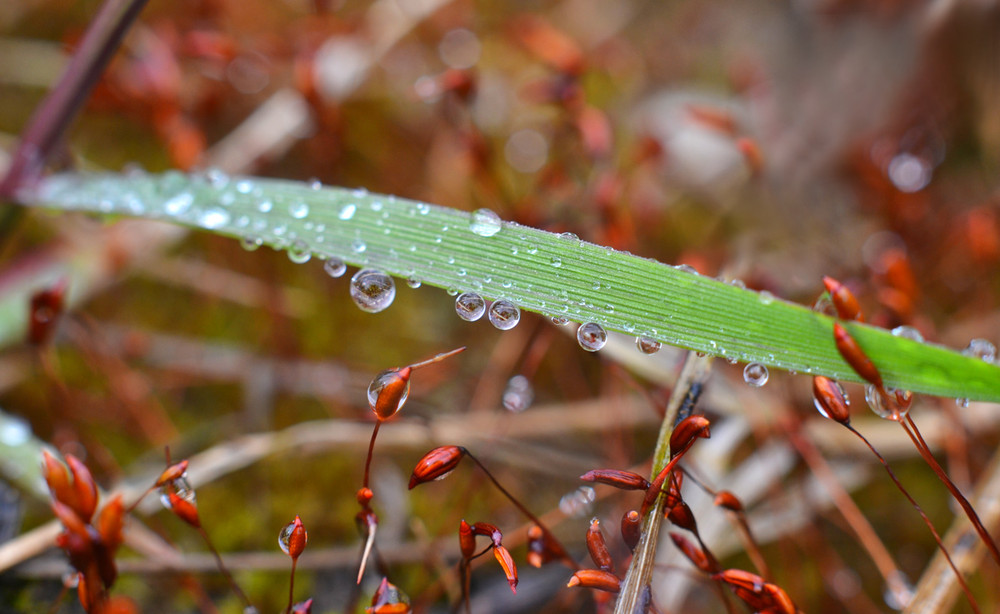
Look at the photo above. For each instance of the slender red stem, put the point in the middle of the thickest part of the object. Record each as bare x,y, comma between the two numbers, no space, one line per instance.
925,451
371,448
927,521
291,587
222,568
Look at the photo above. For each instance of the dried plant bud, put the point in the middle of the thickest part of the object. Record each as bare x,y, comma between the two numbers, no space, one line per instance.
303,607
729,501
685,433
488,530
111,523
695,554
757,592
682,516
631,529
71,520
388,392
43,316
292,538
507,563
830,400
855,356
466,540
84,487
596,578
389,600
57,477
597,547
843,300
625,480
674,491
184,509
171,473
437,464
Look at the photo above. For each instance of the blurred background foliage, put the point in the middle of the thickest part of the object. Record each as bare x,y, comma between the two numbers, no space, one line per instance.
770,141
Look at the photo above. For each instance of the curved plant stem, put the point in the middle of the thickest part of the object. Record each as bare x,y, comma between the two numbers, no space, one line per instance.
634,587
555,275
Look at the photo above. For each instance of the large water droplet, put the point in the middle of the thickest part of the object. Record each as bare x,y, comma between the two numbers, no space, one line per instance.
387,384
981,349
591,336
298,210
470,306
285,536
893,406
298,252
908,332
819,406
579,503
647,345
180,487
504,315
372,290
485,223
519,394
334,267
755,374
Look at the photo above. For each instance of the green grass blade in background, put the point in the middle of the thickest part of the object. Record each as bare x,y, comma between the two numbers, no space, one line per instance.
556,275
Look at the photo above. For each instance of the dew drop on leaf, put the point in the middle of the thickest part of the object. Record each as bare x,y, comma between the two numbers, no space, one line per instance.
519,394
213,218
470,306
347,211
591,336
298,252
485,223
755,374
504,315
887,408
647,345
298,210
334,267
372,290
908,332
413,282
556,261
981,349
560,320
251,243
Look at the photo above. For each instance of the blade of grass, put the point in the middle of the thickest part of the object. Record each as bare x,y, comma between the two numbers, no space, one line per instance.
556,275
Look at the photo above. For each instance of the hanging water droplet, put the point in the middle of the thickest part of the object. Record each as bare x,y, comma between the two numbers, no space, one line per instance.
251,243
647,345
298,210
394,390
908,332
579,503
519,394
504,315
591,336
298,252
180,487
334,267
560,320
285,536
819,405
556,261
981,349
315,184
894,405
358,246
413,282
347,211
739,283
731,360
372,290
213,218
485,223
963,403
470,306
755,374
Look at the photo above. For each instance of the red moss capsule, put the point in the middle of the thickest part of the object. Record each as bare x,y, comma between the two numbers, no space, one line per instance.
303,607
729,501
625,480
830,400
293,538
84,488
488,530
437,464
388,392
111,523
682,516
685,433
756,592
596,578
674,491
184,509
507,563
695,554
171,473
751,154
466,540
597,547
631,529
855,356
57,477
389,600
843,300
46,307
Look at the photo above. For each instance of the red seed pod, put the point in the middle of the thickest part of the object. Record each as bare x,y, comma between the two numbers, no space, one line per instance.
682,516
84,487
507,563
46,307
389,600
674,491
364,496
596,578
843,300
729,501
685,433
830,400
695,554
293,538
388,392
625,480
58,480
466,540
757,592
855,356
184,509
631,529
488,530
303,607
72,522
597,547
111,523
171,473
437,464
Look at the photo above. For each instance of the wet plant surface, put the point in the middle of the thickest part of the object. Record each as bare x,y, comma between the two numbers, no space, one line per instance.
505,174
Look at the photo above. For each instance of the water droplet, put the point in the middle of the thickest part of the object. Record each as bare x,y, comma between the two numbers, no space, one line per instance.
591,336
755,374
485,223
898,597
251,243
981,349
893,406
178,204
372,290
14,432
334,267
452,291
687,268
504,315
299,252
390,378
298,210
963,403
216,178
213,218
731,360
423,208
470,306
766,298
519,394
285,536
819,406
579,503
180,487
739,283
647,345
358,246
908,332
347,211
316,184
569,236
413,282
560,320
244,186
556,261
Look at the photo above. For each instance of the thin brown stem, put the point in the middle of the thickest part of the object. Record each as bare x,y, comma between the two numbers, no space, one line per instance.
371,449
222,568
291,587
925,451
